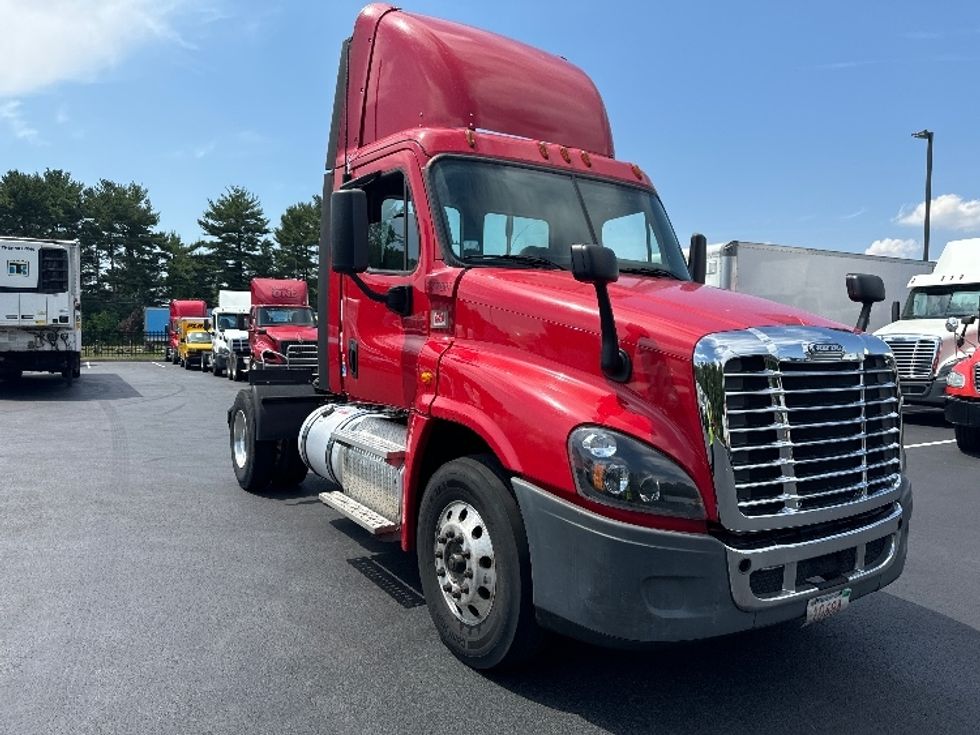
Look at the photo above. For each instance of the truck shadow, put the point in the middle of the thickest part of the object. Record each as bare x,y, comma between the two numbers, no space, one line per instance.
45,387
887,665
925,417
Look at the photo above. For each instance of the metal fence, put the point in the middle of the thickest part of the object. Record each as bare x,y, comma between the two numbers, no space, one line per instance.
124,345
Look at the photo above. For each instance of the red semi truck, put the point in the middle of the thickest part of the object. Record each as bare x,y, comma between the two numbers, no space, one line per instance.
520,382
963,390
281,327
181,309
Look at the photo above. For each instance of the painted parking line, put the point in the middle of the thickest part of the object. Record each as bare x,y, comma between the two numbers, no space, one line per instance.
930,444
159,364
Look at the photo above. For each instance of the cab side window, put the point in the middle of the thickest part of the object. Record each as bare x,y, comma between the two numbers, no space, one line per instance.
393,233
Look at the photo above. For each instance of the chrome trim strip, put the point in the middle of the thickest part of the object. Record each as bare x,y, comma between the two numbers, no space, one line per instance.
790,555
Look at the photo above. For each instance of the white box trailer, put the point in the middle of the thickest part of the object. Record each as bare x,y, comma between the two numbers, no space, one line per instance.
40,307
808,278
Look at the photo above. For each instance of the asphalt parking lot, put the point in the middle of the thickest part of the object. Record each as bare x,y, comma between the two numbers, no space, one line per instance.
141,591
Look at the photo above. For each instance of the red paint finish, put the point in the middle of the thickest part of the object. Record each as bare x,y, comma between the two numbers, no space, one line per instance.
410,71
966,368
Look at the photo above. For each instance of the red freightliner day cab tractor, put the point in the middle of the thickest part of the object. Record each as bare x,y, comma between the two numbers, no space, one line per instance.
520,382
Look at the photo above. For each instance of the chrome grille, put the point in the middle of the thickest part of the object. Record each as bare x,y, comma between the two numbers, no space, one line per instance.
802,425
914,355
300,354
808,435
239,346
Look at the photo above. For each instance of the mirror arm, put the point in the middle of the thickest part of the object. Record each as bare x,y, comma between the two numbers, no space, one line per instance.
397,298
864,317
614,361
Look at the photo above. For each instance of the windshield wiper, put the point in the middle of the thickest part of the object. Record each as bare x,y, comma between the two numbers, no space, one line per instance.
529,260
649,270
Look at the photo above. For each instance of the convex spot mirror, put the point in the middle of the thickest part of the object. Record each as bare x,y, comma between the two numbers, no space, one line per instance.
348,231
952,324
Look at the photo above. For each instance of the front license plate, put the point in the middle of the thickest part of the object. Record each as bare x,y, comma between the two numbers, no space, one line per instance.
821,608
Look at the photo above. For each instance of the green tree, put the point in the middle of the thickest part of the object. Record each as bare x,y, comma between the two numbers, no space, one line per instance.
47,205
189,269
298,237
239,248
119,227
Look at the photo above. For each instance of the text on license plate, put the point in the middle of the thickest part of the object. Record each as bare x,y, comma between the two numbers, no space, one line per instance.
821,608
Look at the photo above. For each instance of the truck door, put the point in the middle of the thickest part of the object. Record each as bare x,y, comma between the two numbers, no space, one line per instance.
380,348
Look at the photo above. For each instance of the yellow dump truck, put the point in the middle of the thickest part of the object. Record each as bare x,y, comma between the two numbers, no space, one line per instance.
194,343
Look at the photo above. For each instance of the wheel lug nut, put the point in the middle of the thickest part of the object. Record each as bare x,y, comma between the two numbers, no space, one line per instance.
451,534
447,587
442,573
441,539
466,555
468,574
465,589
456,595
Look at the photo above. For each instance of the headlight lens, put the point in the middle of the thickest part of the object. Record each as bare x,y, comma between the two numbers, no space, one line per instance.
947,366
956,380
616,469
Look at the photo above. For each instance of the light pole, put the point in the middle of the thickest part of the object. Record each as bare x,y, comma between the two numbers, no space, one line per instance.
927,134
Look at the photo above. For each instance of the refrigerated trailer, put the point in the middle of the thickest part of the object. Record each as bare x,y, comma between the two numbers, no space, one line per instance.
40,307
807,278
519,382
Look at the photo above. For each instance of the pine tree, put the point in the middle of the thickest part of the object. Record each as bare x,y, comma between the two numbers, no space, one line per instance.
239,247
47,205
298,236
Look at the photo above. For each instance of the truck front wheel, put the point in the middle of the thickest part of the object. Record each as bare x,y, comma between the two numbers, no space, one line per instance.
474,564
253,460
968,438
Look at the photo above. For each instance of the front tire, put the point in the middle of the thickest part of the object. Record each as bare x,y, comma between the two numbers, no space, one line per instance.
253,460
967,438
475,566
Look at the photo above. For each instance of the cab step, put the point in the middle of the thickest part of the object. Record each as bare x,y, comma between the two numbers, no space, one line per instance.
363,516
377,446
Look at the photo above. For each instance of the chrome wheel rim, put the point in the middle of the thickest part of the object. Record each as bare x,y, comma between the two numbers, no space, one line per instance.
239,431
466,568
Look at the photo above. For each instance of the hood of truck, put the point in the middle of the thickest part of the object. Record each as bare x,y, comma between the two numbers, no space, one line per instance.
658,313
923,327
289,334
232,334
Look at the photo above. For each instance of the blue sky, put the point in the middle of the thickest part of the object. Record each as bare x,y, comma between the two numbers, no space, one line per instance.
769,121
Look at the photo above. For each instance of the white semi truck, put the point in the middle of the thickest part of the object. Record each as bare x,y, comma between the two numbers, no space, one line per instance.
928,338
229,341
40,307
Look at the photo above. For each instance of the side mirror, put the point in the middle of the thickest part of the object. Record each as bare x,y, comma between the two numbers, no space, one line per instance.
598,265
348,231
697,258
594,264
865,289
952,324
896,310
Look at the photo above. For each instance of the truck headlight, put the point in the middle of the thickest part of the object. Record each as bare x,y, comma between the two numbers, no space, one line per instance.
619,470
956,380
946,367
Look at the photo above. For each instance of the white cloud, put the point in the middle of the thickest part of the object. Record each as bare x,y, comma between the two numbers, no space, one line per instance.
203,150
13,118
949,211
57,40
894,248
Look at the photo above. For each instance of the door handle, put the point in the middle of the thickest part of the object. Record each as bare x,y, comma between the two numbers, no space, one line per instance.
352,358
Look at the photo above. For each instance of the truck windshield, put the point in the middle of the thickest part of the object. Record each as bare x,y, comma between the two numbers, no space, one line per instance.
512,216
941,302
274,316
232,321
198,338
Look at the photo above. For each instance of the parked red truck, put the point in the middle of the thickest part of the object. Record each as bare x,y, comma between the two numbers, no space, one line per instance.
572,436
963,390
181,309
281,326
